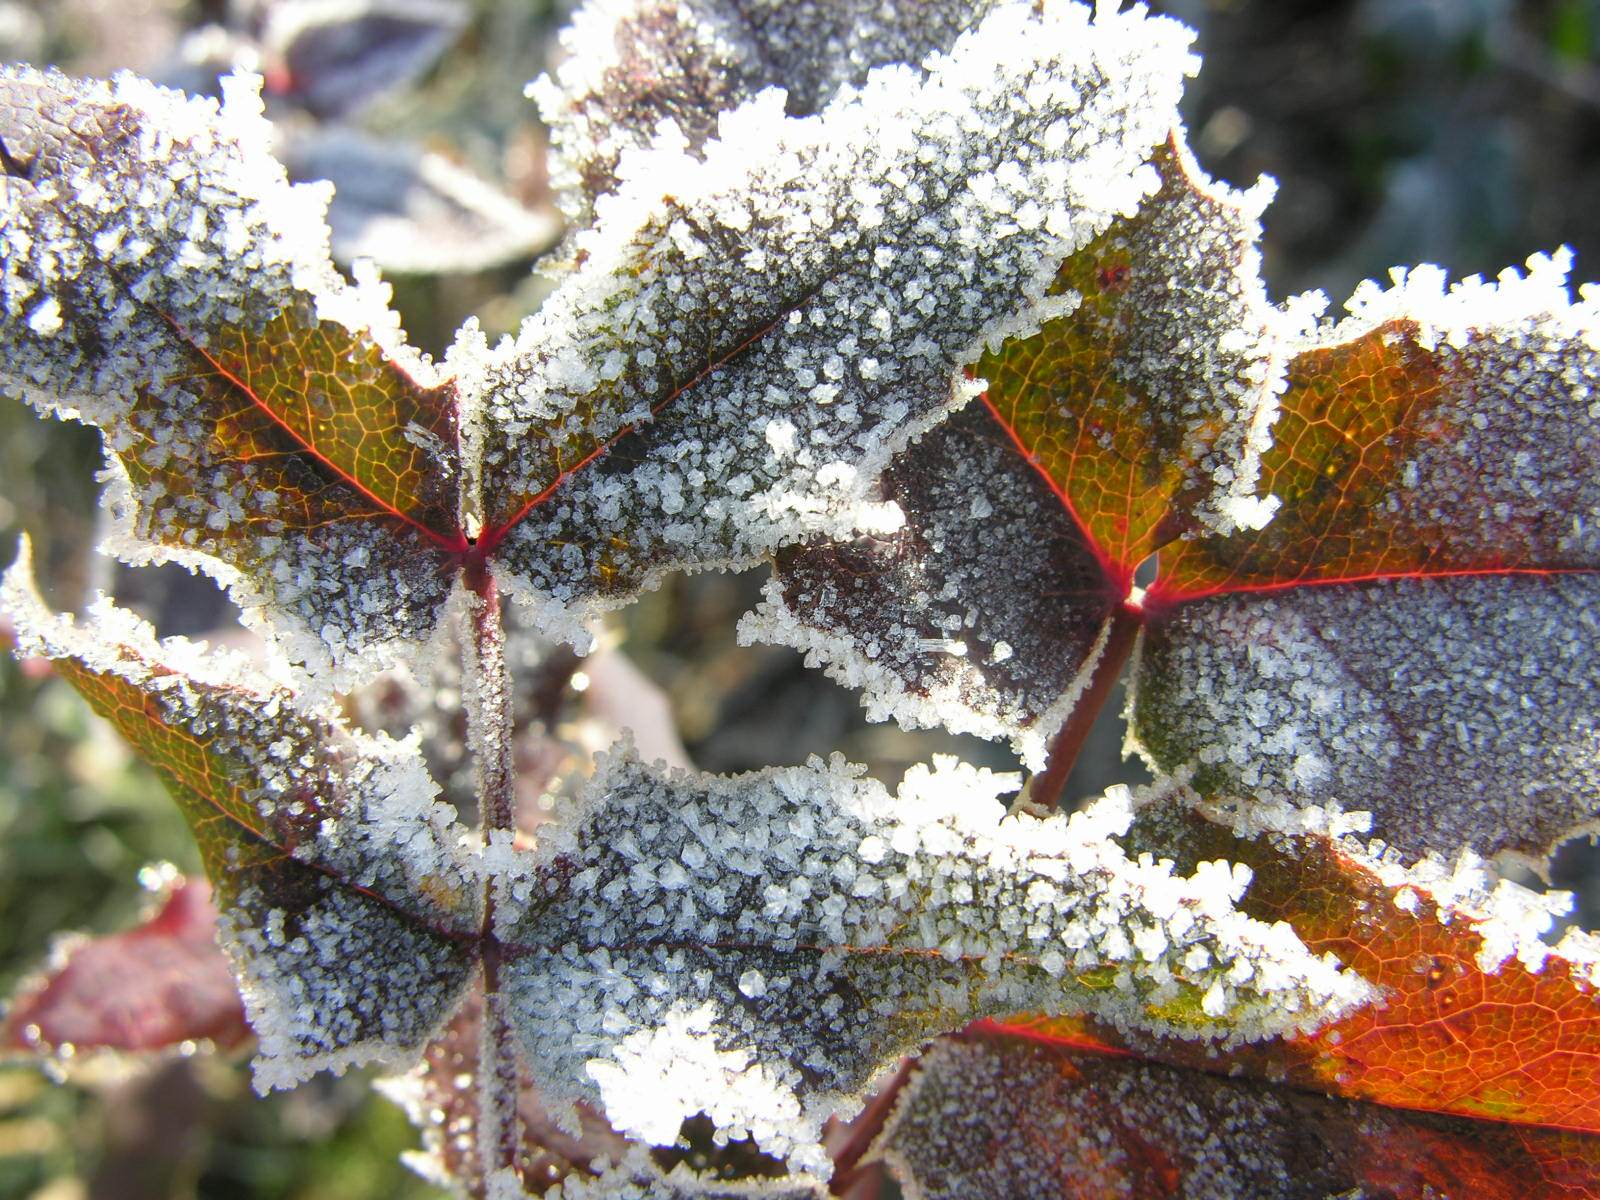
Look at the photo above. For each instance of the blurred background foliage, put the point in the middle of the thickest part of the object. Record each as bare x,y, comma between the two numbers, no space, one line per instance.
1460,132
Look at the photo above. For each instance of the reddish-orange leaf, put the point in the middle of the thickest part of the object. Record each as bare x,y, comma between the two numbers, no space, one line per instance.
987,1116
1464,1027
1429,435
1142,405
160,984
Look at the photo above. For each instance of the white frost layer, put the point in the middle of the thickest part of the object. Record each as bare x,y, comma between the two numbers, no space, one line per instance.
149,219
760,948
833,273
1512,920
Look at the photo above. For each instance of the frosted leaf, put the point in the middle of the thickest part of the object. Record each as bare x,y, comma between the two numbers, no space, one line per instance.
832,273
265,423
333,862
981,613
1140,413
874,922
993,1118
1437,458
1432,432
632,64
1460,712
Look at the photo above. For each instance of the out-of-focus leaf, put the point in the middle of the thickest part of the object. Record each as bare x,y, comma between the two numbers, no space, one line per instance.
155,986
334,56
413,211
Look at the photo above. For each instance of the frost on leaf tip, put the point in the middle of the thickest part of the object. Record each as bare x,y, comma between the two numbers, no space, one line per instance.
344,895
160,279
632,64
760,948
1414,634
752,335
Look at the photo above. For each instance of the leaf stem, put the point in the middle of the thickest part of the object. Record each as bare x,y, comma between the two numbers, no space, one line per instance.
486,692
1045,788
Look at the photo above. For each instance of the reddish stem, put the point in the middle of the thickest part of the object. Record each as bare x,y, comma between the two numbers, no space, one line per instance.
1045,788
486,693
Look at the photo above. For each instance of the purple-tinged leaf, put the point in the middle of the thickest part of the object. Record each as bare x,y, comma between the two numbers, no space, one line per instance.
990,1117
156,986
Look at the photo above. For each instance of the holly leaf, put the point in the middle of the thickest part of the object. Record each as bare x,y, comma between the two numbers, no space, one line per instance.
333,863
156,986
753,333
762,948
629,67
1414,635
1479,1016
987,1117
1136,416
1411,635
263,421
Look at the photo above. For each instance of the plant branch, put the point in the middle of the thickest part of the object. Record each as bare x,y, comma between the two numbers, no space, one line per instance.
486,692
1045,788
